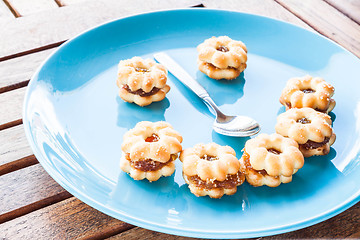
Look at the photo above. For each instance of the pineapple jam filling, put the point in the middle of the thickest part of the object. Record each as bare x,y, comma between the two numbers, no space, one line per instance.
152,138
303,121
138,69
141,92
309,90
209,158
222,49
148,165
313,145
213,66
274,151
231,181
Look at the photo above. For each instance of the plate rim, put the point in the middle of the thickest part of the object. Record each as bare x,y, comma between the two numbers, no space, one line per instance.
169,229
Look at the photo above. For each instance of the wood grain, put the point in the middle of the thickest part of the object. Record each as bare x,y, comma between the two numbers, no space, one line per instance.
267,8
11,106
17,71
69,219
31,32
28,190
26,7
13,145
25,187
330,23
351,8
5,13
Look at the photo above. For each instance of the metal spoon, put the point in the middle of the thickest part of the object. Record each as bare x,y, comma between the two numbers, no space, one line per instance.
238,126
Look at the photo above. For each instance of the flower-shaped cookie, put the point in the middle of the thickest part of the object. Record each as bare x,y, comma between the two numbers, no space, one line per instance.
149,150
309,128
222,57
308,92
270,160
211,169
142,81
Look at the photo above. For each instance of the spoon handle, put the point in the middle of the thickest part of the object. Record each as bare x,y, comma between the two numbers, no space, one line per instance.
190,82
181,74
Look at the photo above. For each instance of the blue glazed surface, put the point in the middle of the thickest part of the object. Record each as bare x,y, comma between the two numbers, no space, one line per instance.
74,121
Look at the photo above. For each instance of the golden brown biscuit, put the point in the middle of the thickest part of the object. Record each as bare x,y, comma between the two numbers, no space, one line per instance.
308,92
211,169
270,160
222,58
309,128
149,150
142,81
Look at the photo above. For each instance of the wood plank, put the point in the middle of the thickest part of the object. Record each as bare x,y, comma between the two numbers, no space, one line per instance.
329,229
267,8
16,72
351,8
11,107
27,190
5,12
13,145
26,7
69,219
330,23
25,34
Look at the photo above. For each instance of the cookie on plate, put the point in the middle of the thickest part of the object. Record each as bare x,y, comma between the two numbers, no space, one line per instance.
270,160
211,169
149,150
308,91
309,128
142,81
222,58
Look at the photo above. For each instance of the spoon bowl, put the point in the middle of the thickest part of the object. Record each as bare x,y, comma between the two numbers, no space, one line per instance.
237,126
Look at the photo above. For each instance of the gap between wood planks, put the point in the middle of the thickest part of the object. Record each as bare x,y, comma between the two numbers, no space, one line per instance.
18,164
34,206
34,50
57,42
11,8
299,16
348,8
11,124
14,86
336,26
68,219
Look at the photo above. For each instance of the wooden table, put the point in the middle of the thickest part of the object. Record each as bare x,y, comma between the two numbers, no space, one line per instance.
32,204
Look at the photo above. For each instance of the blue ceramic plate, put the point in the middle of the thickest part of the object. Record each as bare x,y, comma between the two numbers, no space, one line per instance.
75,121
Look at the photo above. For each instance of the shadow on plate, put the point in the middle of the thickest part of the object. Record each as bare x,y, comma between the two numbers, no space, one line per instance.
129,114
147,193
223,91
